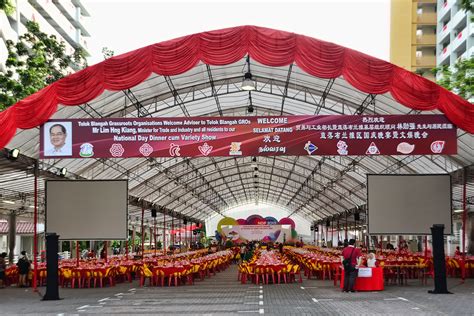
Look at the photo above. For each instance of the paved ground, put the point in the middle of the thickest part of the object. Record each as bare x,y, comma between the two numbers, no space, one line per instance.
224,295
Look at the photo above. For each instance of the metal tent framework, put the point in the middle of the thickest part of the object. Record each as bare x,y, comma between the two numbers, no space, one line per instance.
313,187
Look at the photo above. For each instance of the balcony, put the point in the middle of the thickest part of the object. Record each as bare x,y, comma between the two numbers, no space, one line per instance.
6,30
426,18
426,40
462,57
458,18
426,61
3,52
443,32
67,8
444,8
459,39
52,14
444,55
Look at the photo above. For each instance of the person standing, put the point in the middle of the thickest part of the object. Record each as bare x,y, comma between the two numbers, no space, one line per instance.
23,265
350,254
3,267
243,249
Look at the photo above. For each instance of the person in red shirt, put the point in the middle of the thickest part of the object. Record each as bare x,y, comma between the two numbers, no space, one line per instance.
350,273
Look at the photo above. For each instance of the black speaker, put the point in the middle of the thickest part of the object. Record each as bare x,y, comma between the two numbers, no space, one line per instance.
153,212
356,216
328,223
312,228
185,221
52,284
316,228
439,260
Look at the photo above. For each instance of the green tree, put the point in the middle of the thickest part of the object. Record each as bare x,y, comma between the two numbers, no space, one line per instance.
107,53
467,5
460,80
7,7
35,61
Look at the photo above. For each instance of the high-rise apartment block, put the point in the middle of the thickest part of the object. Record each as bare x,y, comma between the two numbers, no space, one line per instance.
66,19
455,36
413,35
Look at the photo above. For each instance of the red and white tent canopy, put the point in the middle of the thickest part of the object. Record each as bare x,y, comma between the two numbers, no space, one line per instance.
199,75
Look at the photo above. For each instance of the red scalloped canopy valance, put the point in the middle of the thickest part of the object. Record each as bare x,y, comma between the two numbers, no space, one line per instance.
267,46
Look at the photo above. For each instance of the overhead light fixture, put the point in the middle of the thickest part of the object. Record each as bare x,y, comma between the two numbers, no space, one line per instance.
248,84
63,172
250,109
13,154
8,202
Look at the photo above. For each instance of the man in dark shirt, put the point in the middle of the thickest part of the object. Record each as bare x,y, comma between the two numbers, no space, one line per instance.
350,274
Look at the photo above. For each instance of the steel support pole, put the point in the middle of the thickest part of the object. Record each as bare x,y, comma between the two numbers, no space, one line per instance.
143,232
464,218
164,231
35,232
77,253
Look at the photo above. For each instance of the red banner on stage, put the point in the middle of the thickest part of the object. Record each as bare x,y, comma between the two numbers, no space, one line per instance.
333,135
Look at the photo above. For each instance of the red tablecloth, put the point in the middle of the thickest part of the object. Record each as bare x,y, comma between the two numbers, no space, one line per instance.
374,283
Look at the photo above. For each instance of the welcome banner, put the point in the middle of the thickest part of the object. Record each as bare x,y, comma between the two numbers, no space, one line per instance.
249,136
244,233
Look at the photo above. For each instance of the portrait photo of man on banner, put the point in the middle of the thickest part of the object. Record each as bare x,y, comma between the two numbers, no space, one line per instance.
57,139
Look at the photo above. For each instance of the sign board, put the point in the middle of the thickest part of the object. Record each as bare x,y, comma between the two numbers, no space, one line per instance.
334,135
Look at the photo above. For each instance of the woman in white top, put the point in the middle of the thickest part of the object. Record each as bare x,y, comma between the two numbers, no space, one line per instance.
371,260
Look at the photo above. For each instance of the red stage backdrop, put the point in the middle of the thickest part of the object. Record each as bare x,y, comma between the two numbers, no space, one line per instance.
249,136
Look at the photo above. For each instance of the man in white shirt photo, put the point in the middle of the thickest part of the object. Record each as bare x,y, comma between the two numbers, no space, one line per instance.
57,137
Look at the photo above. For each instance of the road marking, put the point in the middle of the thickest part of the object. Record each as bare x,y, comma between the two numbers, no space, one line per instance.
261,286
132,289
403,299
104,299
261,311
82,307
260,296
103,303
260,291
314,300
260,303
302,288
415,308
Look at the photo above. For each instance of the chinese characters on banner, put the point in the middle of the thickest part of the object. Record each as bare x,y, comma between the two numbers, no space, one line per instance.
343,135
